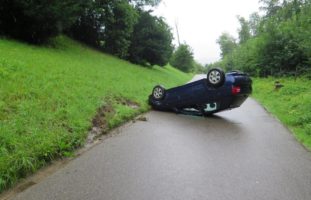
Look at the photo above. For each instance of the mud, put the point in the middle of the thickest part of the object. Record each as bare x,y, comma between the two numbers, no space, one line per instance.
104,113
99,123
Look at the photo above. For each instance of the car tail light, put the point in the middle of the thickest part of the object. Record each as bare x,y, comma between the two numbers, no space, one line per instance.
236,90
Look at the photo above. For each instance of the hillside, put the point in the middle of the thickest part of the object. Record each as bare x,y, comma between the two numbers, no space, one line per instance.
50,95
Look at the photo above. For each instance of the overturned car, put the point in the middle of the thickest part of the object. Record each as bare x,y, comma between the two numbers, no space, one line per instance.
217,92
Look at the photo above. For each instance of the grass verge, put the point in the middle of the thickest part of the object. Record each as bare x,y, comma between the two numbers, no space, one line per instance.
291,104
50,95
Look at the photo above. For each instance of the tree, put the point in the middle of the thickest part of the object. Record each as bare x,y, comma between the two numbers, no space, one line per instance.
109,24
271,7
227,44
88,28
140,3
183,58
280,44
244,31
254,23
151,42
36,21
199,68
119,25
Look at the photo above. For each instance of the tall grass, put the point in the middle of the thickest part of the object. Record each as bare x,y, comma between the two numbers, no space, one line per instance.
49,95
291,104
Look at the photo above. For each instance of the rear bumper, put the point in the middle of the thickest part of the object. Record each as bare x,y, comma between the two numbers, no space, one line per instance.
238,99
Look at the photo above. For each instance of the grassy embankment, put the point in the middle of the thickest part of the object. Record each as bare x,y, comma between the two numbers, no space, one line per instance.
291,104
49,96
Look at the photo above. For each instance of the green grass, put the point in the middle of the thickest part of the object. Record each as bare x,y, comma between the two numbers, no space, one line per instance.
49,95
291,104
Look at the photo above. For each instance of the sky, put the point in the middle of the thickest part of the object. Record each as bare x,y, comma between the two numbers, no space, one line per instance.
201,22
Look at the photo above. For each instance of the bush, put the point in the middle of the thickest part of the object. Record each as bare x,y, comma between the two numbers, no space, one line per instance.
281,45
183,58
119,25
87,27
151,41
36,21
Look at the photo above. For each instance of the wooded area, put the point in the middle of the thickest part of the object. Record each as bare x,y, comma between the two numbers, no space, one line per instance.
124,28
277,43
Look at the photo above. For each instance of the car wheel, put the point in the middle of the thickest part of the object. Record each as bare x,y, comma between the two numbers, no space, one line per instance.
216,77
158,92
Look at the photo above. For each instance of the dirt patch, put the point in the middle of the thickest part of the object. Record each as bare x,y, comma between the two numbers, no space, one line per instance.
104,113
100,119
127,102
99,122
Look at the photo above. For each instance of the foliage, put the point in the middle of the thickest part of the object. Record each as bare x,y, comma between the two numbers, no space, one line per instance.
88,26
227,44
279,43
245,57
104,24
124,29
290,104
107,25
140,3
198,68
151,42
183,58
119,25
36,21
244,31
48,97
254,23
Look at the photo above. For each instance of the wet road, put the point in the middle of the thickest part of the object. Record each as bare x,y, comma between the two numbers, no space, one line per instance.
240,154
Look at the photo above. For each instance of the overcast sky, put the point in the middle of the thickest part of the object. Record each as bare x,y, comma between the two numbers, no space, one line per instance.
201,22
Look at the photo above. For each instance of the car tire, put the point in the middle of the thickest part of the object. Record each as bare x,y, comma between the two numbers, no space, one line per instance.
158,92
216,77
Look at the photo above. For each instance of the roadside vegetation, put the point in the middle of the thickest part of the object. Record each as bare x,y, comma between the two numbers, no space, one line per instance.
182,59
291,104
277,43
49,97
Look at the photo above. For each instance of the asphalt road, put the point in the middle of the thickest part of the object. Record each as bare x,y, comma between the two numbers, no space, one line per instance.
240,154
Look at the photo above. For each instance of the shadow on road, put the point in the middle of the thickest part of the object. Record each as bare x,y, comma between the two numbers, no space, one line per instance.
215,124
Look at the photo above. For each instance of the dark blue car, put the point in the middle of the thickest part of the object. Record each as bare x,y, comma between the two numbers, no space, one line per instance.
217,92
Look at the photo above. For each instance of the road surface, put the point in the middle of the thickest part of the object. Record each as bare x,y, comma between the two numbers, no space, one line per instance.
235,155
